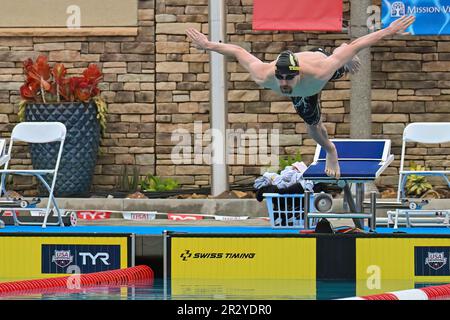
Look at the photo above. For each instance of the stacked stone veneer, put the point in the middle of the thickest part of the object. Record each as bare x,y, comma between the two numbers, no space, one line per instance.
156,83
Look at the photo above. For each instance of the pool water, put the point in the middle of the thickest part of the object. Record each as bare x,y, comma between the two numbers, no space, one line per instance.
221,290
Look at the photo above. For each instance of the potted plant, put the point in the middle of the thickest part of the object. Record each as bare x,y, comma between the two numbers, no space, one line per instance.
49,95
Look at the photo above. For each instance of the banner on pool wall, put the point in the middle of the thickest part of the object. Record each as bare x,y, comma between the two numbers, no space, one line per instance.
30,257
218,258
238,264
313,15
403,262
432,16
57,258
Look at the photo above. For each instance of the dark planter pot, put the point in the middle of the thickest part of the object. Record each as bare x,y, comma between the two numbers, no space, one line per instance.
80,148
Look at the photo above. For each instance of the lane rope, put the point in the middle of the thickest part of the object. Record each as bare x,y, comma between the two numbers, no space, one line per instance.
428,293
135,275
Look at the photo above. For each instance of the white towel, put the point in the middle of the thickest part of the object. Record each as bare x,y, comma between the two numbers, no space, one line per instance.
265,180
287,173
290,176
300,166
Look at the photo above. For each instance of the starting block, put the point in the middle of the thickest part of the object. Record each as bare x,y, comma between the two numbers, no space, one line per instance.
360,161
414,215
18,202
418,218
10,217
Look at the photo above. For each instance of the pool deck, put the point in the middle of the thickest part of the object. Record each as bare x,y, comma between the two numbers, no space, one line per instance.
157,227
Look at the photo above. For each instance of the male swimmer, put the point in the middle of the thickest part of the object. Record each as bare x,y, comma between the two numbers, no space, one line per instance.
302,75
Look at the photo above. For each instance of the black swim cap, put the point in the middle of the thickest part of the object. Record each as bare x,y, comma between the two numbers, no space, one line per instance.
287,63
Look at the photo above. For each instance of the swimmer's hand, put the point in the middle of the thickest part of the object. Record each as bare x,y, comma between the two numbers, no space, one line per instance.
400,25
199,40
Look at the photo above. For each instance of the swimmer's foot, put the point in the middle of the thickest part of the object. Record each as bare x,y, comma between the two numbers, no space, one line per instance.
332,165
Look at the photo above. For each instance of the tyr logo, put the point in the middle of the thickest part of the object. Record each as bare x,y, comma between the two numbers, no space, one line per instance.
103,256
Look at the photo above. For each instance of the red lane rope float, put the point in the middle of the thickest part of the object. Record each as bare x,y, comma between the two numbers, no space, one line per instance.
134,275
427,293
383,296
437,292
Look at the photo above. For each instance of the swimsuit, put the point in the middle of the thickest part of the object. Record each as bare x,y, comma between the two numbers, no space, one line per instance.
308,108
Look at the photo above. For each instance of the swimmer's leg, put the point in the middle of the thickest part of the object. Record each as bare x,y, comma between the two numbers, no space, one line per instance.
319,133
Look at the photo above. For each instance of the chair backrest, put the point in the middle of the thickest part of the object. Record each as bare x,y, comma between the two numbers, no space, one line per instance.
39,132
427,132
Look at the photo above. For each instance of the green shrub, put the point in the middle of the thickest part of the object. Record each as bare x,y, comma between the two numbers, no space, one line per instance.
153,183
417,185
289,160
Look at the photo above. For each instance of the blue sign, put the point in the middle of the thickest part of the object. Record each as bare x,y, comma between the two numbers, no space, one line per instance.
88,258
431,261
432,16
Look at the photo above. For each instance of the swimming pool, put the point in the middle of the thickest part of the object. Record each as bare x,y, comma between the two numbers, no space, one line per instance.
229,263
221,290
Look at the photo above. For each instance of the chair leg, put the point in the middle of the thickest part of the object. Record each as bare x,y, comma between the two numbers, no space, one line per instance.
3,192
15,219
58,211
446,179
3,185
44,224
51,200
402,187
396,220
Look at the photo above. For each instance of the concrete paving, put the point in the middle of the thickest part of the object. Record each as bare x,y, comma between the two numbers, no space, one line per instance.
197,223
165,222
226,207
210,207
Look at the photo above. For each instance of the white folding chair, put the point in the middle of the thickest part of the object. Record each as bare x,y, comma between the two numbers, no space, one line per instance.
37,132
422,132
3,156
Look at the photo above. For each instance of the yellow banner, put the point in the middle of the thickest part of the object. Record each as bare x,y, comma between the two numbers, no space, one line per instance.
28,257
243,258
391,264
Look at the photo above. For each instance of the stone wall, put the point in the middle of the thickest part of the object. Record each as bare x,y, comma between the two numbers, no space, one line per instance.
156,83
410,84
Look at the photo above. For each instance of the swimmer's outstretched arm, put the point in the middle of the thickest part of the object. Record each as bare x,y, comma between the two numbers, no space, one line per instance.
257,69
344,55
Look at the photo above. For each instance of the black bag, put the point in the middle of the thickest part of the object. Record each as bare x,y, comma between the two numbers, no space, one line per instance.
324,226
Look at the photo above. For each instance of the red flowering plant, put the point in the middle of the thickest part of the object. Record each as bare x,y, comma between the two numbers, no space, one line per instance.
45,84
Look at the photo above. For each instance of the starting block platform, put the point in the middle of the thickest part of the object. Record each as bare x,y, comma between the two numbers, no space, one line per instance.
360,161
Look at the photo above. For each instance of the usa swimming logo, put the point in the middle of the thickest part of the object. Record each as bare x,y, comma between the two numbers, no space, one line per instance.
398,9
431,261
436,260
62,258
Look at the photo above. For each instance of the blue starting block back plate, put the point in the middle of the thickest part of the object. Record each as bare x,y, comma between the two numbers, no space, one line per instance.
354,149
